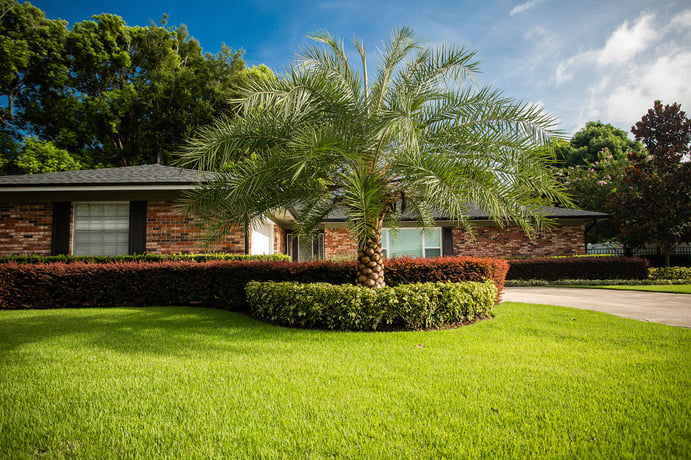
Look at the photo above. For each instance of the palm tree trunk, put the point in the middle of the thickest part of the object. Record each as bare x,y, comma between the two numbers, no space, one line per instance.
370,267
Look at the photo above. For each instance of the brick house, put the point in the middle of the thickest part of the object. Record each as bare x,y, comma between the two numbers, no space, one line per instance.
134,210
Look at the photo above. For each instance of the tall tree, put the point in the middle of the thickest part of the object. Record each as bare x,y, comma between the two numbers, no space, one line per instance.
43,157
106,92
655,205
591,186
593,164
323,138
586,145
31,53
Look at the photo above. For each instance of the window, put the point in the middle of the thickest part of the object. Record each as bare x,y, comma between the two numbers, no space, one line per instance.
300,252
101,229
411,242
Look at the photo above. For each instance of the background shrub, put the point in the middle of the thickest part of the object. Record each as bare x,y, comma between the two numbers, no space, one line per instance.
219,284
348,307
574,268
670,273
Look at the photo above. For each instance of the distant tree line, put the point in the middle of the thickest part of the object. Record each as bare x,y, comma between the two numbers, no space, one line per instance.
645,185
103,93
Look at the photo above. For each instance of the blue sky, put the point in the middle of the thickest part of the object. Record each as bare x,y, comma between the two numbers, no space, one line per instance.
582,60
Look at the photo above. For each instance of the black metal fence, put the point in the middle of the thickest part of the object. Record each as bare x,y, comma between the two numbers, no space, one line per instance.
681,255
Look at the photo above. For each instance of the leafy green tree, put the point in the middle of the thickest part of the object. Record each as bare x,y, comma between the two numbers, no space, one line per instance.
591,187
31,53
44,157
654,206
586,145
416,139
109,93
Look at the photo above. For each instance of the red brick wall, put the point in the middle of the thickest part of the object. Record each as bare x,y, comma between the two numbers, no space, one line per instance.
513,242
26,228
566,240
339,244
169,231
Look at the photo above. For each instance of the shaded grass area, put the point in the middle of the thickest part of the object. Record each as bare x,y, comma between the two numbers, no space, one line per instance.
535,381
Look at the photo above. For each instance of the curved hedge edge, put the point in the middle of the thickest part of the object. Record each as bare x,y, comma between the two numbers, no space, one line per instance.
346,307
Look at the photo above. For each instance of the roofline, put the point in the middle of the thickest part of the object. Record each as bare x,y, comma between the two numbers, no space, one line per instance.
587,217
95,188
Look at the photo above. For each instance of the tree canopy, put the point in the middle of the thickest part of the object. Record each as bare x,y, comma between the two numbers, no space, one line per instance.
654,206
586,145
106,92
420,138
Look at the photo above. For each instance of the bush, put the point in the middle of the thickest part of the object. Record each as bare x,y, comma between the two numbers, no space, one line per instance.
670,273
347,307
140,258
454,269
596,268
219,284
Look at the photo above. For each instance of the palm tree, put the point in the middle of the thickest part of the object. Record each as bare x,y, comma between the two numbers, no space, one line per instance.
421,138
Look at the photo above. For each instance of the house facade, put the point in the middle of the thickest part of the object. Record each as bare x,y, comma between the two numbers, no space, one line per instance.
135,210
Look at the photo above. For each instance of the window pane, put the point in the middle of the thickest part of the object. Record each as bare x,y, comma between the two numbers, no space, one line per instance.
432,252
433,238
408,242
101,229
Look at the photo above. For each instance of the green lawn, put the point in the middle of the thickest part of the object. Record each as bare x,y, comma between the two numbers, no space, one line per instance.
533,382
678,288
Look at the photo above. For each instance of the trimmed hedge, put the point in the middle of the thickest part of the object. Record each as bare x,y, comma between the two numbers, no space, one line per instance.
347,307
219,284
595,268
670,273
140,258
454,269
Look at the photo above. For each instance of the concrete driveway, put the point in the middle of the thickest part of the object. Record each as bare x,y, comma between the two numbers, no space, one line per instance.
657,307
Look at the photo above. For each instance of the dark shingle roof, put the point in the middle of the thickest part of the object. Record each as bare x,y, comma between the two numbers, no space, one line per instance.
129,175
476,213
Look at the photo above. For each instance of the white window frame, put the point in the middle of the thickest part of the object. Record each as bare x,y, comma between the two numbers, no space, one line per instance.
387,234
74,221
291,237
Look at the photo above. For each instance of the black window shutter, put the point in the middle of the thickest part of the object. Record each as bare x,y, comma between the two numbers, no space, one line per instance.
137,227
447,241
61,228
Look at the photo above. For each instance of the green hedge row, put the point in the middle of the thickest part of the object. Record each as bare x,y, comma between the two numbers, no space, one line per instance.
21,260
348,307
670,273
572,268
219,284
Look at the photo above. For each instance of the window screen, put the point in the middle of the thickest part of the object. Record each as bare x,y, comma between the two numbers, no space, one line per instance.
101,229
299,251
411,242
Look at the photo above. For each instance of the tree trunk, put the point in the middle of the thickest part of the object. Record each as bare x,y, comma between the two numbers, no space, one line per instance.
370,268
668,255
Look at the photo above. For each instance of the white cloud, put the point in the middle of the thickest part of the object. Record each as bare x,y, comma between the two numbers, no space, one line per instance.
681,20
524,7
626,42
638,63
665,78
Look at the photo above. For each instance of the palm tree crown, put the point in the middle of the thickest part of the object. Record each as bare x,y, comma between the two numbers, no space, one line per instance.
421,137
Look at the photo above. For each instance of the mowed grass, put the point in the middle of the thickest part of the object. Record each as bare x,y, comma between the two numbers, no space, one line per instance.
674,288
534,381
